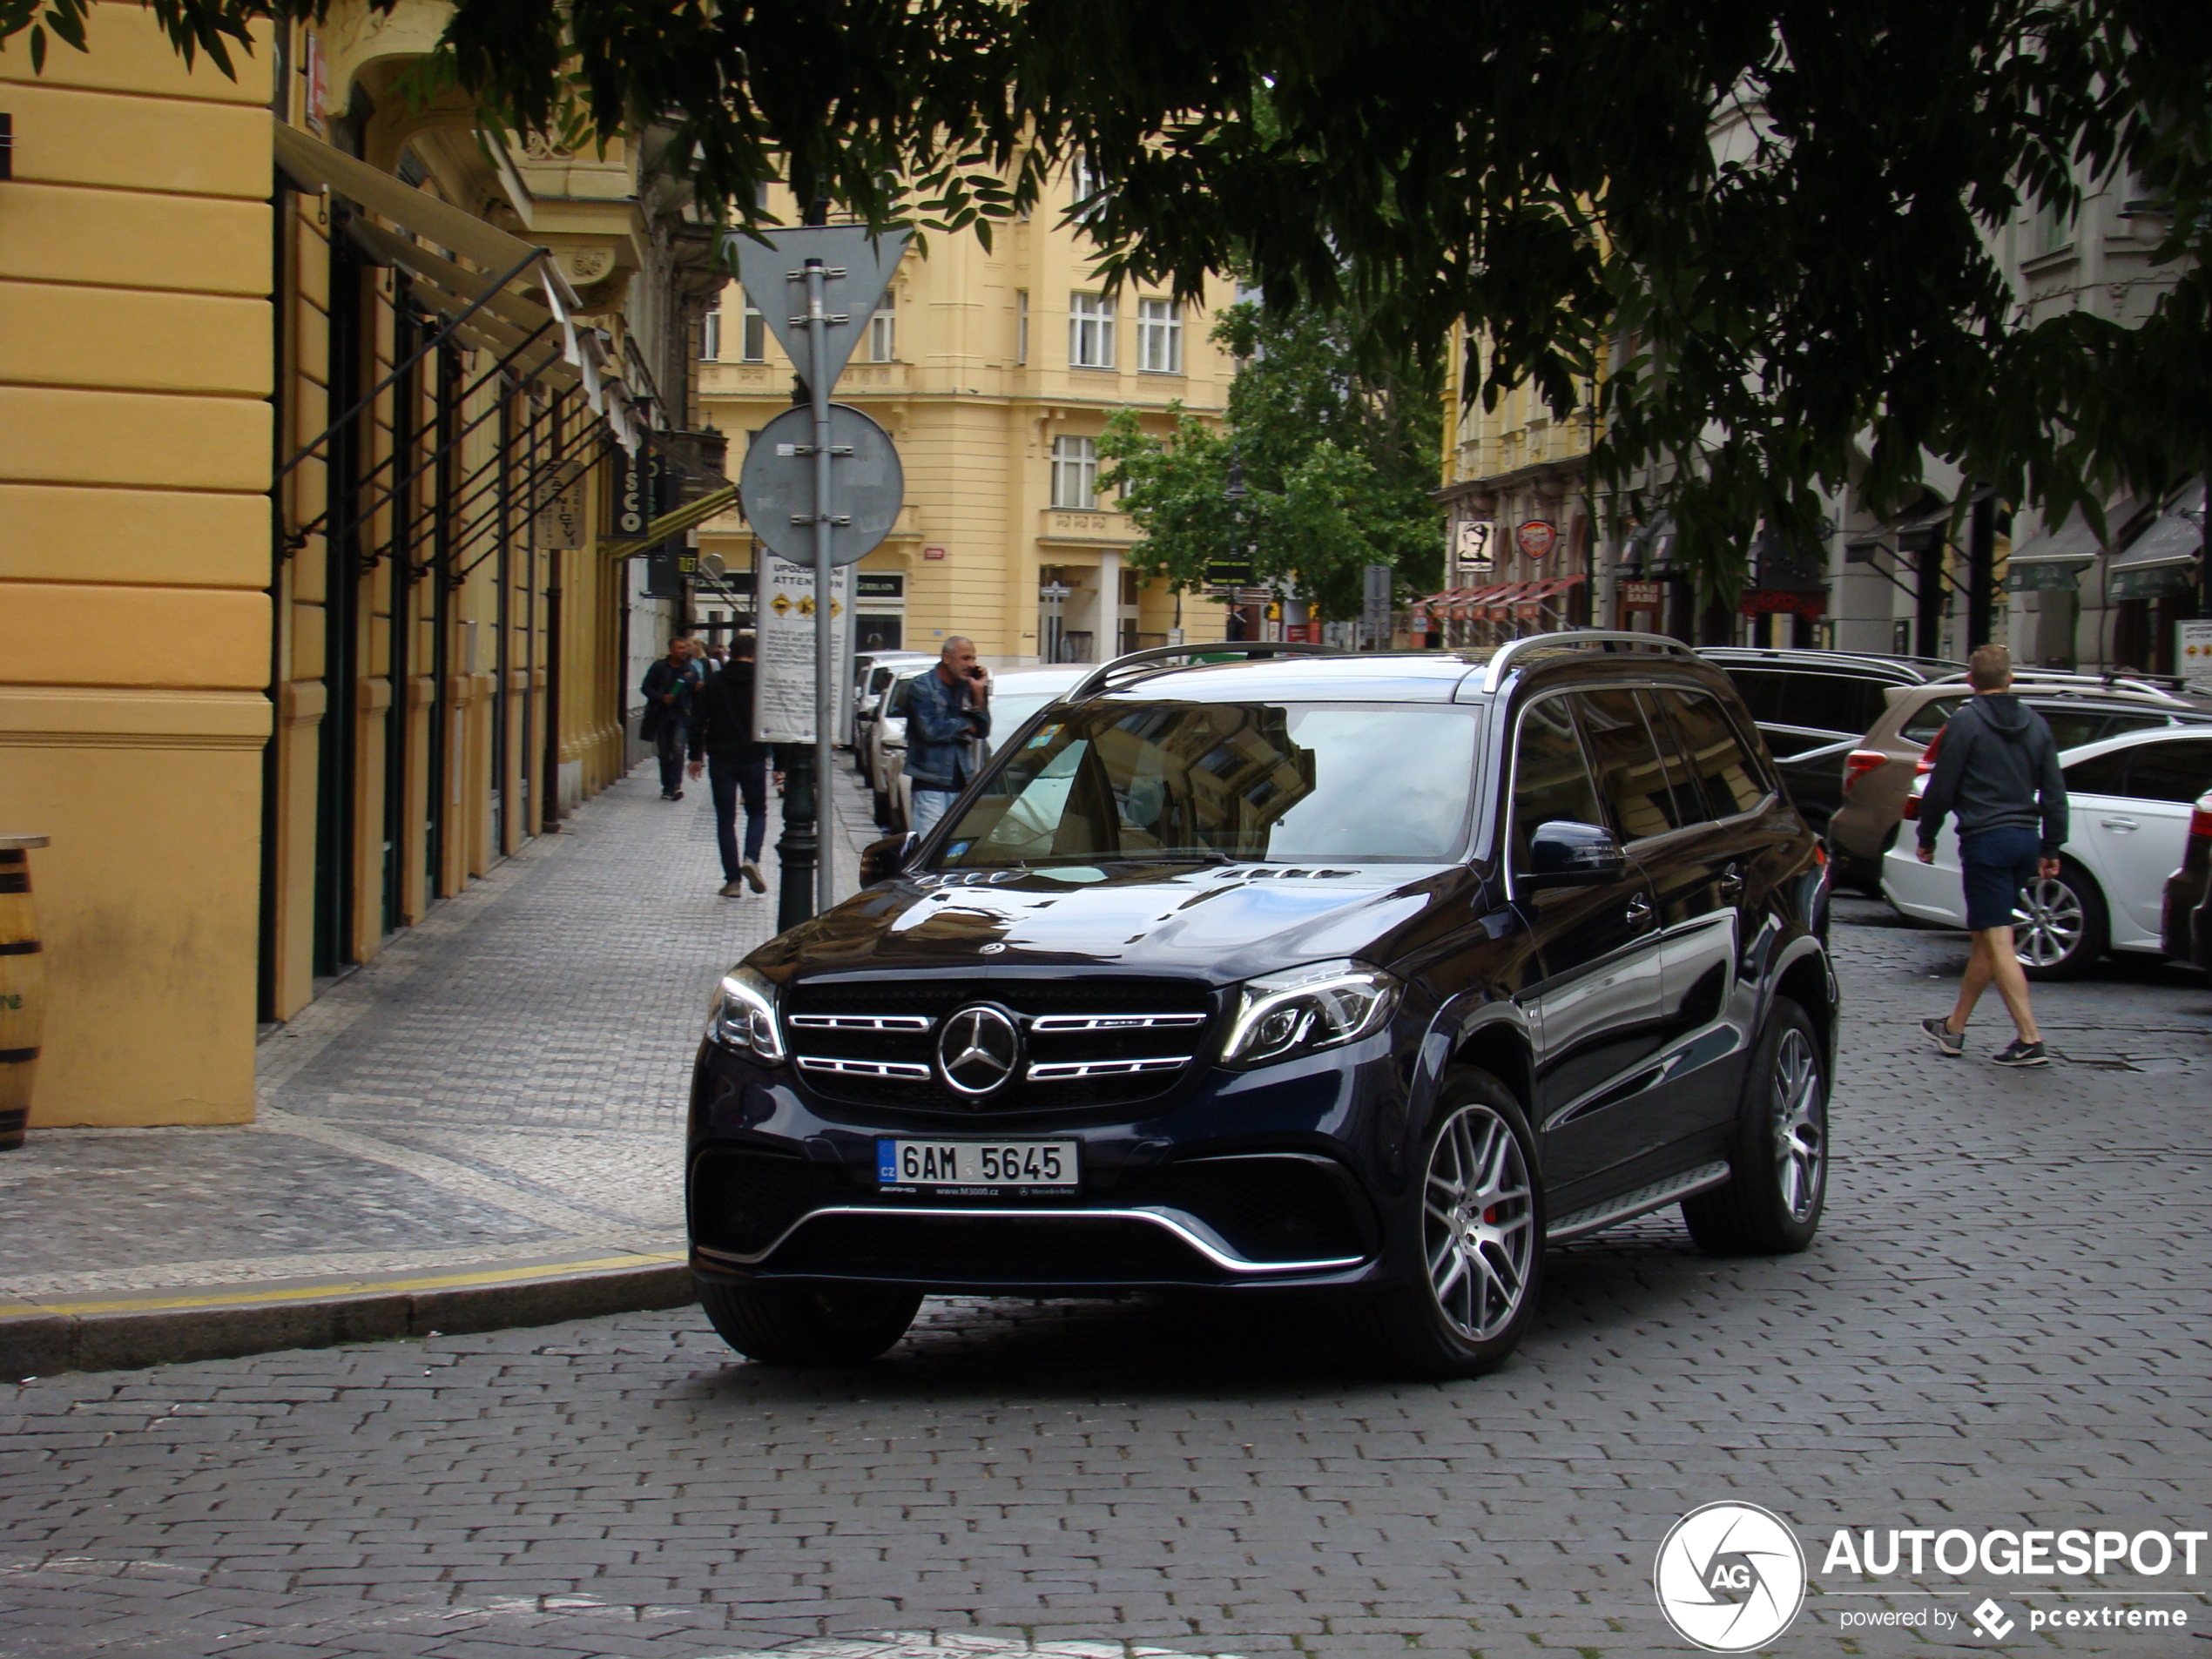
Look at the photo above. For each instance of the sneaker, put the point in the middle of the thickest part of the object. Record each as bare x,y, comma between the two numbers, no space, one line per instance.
2017,1053
676,794
732,890
1949,1043
751,873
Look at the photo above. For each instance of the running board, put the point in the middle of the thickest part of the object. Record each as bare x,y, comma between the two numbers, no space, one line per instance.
1630,1204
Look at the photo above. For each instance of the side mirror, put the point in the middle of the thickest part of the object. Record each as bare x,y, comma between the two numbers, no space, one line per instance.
1565,854
880,861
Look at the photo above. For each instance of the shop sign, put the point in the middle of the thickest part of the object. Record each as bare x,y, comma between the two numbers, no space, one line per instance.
1643,595
1762,602
933,552
1537,537
880,584
1474,546
317,78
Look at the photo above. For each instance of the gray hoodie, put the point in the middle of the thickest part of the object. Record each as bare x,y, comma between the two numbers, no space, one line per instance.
1995,756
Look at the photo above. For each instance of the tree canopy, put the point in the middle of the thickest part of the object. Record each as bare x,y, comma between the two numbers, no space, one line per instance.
1824,297
1335,449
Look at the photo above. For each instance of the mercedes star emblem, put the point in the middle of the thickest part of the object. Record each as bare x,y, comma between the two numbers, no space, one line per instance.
979,1049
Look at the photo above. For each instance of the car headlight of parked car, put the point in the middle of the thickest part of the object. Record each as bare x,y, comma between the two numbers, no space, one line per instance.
1318,1006
742,1015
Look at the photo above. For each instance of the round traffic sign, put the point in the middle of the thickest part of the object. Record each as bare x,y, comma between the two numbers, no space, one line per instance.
867,485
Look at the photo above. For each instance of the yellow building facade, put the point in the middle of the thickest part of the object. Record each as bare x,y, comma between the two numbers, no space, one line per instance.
995,372
1520,519
306,617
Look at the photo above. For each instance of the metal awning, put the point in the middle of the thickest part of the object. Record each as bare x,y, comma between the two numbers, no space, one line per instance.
2054,557
320,165
2165,559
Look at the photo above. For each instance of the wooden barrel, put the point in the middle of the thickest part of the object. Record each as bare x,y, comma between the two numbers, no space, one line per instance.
22,988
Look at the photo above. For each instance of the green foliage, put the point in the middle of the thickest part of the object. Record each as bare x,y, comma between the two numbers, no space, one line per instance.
1337,456
1819,296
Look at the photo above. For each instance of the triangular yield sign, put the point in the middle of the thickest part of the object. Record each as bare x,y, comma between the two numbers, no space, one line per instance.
767,271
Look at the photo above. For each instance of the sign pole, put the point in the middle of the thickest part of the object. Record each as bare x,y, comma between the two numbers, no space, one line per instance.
818,391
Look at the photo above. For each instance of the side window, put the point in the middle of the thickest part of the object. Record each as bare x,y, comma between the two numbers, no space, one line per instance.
2104,774
2071,728
1551,780
2170,772
1633,785
1729,776
1834,702
1762,691
1922,726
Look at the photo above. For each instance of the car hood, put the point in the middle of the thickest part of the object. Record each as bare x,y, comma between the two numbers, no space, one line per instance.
1215,921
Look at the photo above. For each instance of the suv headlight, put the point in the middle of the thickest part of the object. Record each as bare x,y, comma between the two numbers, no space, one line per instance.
743,1014
1315,1006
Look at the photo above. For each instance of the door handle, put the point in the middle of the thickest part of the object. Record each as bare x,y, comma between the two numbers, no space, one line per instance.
1732,882
1639,909
2120,823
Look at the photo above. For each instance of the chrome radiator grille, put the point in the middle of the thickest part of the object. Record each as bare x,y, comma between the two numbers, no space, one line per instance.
1091,1043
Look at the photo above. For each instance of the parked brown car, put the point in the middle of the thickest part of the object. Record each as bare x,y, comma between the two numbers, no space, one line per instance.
1878,773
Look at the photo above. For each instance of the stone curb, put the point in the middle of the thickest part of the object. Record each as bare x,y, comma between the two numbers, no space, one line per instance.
38,1339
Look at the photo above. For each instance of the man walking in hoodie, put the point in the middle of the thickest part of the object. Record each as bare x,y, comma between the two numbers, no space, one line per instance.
1997,771
722,744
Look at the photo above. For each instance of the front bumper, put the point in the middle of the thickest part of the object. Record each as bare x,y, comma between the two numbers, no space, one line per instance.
1241,1179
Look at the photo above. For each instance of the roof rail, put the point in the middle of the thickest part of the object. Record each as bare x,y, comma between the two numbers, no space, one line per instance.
1100,677
2154,684
1603,639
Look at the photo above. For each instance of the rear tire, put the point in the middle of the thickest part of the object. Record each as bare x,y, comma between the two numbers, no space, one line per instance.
1480,1221
1778,1182
2067,926
780,1325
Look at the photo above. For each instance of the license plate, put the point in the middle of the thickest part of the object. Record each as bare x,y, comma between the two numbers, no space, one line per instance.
977,1166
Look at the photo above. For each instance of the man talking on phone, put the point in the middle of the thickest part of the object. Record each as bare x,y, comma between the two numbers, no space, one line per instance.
947,710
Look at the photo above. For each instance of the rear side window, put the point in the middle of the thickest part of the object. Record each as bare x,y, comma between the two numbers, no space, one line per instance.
1722,768
1761,689
2170,772
2071,728
1644,795
1921,726
1551,780
2105,775
1843,703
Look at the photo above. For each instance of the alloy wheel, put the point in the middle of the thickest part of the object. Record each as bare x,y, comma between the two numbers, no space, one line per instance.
1478,1223
2048,922
1800,1126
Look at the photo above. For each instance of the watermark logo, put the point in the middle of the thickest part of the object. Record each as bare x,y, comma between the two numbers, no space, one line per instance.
1991,1617
1730,1577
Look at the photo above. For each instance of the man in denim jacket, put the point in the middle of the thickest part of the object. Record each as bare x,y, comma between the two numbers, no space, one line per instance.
946,711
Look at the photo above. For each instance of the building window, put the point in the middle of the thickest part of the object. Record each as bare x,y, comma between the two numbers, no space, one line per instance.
883,329
1159,337
755,334
1084,183
711,332
1090,331
1020,326
1074,473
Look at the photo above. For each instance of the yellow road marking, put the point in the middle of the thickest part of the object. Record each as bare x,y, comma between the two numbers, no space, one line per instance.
339,1287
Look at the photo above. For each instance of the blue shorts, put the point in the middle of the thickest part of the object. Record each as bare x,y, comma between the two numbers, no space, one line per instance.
1994,866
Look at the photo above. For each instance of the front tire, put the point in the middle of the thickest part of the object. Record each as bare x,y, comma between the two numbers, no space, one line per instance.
781,1325
2063,928
1481,1223
1778,1182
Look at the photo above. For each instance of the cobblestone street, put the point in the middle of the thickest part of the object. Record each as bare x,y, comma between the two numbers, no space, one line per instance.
2003,1324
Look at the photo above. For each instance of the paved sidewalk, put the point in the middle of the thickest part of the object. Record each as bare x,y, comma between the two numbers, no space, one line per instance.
483,1123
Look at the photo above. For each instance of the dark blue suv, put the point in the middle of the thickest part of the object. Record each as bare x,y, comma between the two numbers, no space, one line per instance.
1247,969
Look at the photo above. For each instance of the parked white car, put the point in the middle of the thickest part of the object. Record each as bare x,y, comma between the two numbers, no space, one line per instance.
2129,801
1015,695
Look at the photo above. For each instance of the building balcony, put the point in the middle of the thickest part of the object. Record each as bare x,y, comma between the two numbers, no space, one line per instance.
1067,527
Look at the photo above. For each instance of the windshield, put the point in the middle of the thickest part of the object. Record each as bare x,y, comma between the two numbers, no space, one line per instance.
1229,781
1009,711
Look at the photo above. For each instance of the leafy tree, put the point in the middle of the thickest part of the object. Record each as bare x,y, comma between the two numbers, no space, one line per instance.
1820,297
1337,457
